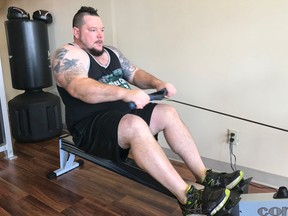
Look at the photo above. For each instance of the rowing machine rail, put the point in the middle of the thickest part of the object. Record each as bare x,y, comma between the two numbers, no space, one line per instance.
128,168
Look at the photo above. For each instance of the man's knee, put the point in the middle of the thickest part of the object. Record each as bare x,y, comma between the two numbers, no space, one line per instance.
132,130
164,112
132,126
163,116
171,111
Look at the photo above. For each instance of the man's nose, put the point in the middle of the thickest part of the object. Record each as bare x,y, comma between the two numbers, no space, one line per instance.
100,34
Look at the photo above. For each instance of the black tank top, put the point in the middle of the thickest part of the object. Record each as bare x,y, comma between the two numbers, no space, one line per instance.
77,110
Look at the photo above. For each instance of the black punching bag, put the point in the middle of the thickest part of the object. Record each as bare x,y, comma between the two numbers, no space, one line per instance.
35,115
29,55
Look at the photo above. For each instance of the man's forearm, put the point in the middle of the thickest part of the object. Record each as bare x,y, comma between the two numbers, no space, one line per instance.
92,91
144,80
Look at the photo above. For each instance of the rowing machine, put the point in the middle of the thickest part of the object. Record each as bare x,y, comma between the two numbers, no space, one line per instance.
258,204
264,204
128,168
261,204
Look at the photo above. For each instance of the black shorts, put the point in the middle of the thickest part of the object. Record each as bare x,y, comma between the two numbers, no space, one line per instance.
98,135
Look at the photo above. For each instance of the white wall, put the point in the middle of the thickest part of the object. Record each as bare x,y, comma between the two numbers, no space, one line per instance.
225,55
229,56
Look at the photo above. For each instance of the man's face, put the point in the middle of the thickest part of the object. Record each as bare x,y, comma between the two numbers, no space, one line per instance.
91,35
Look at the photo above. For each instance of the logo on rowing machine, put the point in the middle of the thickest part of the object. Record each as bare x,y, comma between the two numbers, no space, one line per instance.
274,211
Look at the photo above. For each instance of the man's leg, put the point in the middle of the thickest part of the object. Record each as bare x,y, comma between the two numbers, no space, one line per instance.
165,118
133,132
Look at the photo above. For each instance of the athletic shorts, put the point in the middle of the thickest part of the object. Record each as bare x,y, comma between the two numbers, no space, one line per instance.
98,135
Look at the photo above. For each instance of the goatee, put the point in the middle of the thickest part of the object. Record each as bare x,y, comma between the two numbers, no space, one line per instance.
95,52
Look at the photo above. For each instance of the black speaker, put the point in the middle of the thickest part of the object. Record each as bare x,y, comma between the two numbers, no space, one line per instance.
29,55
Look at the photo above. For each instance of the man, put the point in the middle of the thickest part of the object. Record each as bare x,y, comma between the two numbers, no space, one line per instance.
94,83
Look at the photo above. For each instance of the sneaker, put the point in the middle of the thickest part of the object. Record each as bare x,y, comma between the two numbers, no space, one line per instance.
223,180
208,201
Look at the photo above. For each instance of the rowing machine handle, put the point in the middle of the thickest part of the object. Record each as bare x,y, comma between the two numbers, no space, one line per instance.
159,95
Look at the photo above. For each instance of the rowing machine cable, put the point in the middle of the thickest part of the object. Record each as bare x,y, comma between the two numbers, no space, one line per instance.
228,115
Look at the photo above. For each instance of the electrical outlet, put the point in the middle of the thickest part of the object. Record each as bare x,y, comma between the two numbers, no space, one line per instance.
233,134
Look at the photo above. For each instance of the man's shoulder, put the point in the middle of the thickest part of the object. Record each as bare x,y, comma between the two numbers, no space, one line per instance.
70,46
71,50
113,49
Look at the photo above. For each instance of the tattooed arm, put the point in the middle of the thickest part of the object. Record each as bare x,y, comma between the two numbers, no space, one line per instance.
140,77
70,70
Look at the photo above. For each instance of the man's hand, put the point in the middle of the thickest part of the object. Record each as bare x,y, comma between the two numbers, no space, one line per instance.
170,89
139,97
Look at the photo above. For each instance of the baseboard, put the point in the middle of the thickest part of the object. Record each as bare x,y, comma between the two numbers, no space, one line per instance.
260,177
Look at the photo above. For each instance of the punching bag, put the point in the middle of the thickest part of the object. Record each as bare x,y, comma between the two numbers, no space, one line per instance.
29,55
35,115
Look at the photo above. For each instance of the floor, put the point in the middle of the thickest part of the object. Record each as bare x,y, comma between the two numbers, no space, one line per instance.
89,190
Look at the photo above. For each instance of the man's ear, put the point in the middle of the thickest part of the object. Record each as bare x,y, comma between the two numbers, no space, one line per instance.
76,32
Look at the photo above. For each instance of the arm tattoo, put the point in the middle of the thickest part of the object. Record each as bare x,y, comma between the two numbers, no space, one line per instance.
69,67
128,68
58,58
